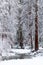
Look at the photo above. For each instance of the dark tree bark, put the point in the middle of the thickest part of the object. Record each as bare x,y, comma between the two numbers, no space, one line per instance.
20,37
36,27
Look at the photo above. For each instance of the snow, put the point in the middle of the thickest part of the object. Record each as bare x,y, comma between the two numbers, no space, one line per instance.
20,51
4,46
33,61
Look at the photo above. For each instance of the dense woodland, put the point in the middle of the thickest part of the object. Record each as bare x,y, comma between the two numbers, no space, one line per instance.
21,24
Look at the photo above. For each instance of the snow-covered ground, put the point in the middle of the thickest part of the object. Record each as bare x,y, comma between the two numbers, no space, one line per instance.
21,54
33,61
21,51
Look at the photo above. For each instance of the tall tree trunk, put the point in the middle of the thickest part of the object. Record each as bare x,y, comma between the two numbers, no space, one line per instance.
21,39
30,24
20,35
36,26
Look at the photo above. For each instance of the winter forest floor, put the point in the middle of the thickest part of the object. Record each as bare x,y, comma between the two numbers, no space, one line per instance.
22,57
28,57
21,54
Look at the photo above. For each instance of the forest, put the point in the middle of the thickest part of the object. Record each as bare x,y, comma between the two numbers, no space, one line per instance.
21,28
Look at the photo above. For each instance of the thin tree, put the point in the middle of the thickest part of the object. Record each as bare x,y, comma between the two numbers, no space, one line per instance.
19,32
36,26
31,36
30,24
20,37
